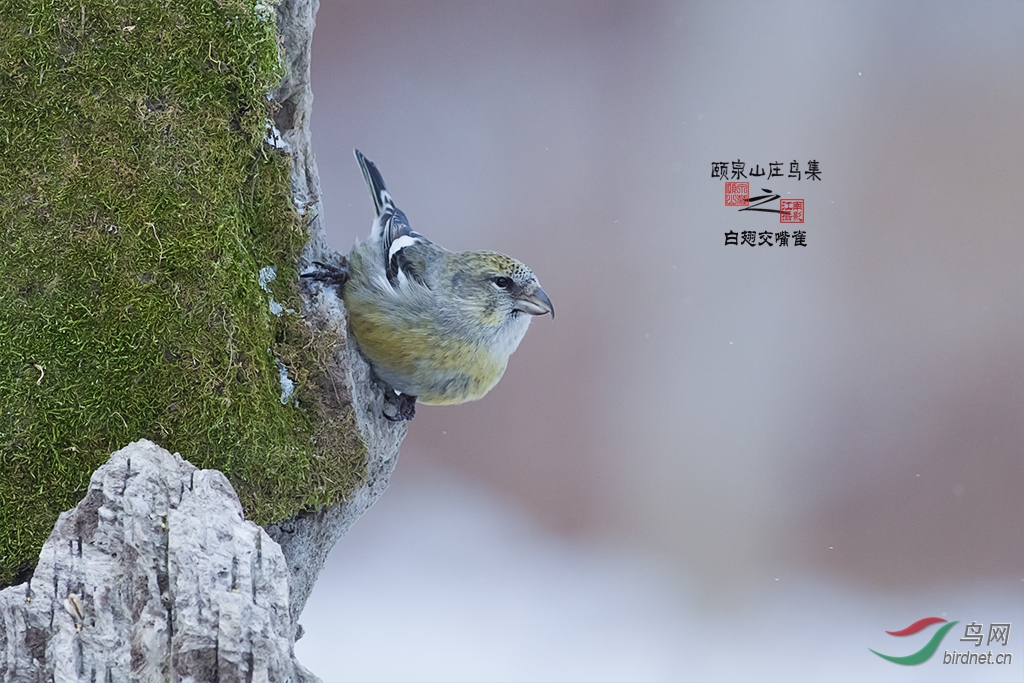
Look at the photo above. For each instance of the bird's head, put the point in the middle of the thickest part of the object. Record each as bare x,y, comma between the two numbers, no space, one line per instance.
497,293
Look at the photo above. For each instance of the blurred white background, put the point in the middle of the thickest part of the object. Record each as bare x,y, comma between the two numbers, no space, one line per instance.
716,463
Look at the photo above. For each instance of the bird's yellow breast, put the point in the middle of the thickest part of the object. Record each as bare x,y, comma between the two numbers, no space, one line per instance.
415,360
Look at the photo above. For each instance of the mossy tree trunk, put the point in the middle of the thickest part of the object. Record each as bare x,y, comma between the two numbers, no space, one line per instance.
140,203
154,220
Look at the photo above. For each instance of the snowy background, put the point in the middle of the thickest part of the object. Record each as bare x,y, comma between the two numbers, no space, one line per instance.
716,463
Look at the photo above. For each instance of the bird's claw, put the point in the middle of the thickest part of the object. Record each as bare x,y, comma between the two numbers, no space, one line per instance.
402,406
328,274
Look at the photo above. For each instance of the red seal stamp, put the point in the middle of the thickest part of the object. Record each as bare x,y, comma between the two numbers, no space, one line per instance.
737,194
791,211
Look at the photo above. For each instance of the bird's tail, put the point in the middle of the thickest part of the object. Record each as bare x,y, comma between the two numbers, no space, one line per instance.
375,181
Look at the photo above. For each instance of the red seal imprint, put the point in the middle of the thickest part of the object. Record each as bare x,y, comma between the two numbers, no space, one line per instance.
791,211
737,194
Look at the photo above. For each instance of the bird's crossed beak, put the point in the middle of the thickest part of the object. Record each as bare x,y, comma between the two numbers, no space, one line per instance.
535,303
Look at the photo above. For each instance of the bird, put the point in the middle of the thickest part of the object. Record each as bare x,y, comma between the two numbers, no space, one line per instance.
436,326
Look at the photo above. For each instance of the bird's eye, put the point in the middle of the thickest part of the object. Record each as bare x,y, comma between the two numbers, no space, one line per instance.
503,282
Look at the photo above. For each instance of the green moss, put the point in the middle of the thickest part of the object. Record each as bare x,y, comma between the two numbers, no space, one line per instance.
138,203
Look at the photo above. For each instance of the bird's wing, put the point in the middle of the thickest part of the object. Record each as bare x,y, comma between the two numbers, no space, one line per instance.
412,256
402,251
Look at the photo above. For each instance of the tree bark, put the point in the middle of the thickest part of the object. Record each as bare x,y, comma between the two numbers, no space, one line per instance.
154,576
